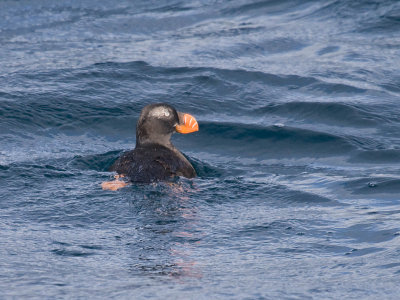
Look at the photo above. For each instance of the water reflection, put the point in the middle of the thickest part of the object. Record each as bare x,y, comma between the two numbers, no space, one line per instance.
168,230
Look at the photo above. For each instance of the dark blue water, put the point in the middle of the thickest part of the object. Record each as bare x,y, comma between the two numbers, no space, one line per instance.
298,153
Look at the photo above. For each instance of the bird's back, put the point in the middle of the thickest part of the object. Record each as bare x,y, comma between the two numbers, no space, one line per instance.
152,163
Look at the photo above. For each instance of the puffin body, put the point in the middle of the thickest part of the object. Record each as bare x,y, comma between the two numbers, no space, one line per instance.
153,162
155,158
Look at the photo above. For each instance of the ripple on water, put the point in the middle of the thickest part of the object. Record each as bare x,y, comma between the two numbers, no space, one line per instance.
314,197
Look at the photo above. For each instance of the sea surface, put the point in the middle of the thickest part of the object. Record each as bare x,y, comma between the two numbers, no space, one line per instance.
298,153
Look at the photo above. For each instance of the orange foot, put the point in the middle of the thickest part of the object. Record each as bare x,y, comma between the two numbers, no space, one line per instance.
115,184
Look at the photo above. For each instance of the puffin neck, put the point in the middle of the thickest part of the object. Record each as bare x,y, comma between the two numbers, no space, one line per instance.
162,140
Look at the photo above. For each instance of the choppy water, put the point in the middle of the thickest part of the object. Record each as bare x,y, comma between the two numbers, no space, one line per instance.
298,153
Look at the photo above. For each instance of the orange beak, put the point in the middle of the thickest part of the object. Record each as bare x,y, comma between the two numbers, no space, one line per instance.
188,124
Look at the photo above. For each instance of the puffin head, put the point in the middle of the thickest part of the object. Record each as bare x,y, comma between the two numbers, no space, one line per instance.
158,121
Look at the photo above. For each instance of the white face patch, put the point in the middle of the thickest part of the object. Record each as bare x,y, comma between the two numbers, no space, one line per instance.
160,112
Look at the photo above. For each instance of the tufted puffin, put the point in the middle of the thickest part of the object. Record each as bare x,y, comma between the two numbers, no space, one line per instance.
155,158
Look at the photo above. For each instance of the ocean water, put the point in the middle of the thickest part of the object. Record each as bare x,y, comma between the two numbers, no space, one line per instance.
298,153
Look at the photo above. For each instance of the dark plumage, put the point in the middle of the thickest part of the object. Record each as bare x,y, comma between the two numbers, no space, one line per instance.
155,158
